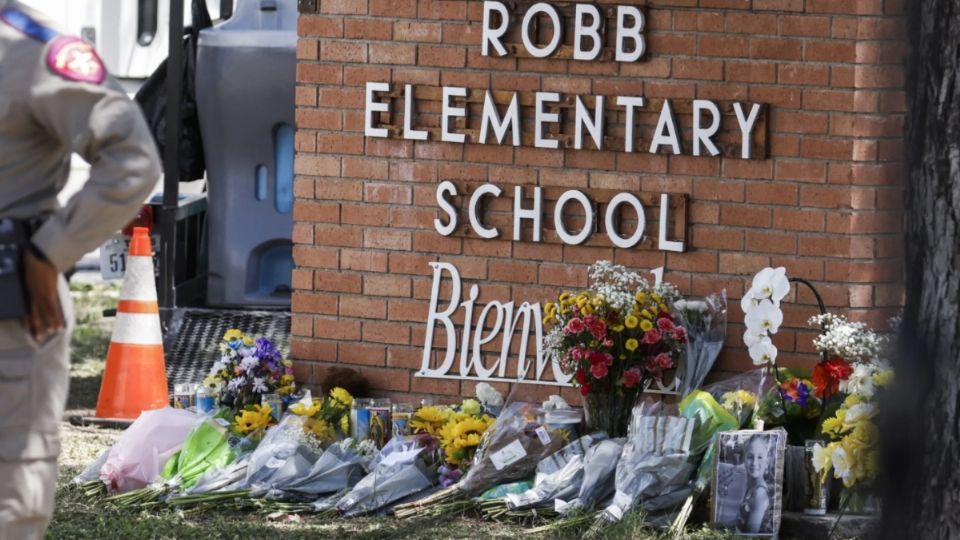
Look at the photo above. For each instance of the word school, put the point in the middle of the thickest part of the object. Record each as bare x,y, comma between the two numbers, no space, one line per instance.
494,124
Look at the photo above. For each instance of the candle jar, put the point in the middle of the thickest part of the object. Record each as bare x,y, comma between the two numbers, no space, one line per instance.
401,415
275,403
206,400
184,396
380,426
360,418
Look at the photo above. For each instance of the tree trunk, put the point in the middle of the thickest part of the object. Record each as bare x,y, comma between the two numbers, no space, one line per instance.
922,424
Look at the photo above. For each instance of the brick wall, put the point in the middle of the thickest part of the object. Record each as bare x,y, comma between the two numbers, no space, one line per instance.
826,203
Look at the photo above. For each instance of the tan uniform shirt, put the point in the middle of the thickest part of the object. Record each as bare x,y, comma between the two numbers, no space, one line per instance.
47,111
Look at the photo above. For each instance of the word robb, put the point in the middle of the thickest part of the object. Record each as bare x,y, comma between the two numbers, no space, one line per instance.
506,318
535,215
587,123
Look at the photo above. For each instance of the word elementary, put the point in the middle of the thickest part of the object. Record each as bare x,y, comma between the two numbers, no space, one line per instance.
547,127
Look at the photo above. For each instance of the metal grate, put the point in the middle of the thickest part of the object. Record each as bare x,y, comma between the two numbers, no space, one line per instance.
193,335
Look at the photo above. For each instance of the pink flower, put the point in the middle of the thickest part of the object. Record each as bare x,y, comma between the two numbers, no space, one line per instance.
576,353
599,358
665,324
631,377
651,337
599,370
679,333
575,326
664,360
597,328
607,342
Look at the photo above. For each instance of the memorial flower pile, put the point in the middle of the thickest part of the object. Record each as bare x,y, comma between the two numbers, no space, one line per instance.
249,368
615,338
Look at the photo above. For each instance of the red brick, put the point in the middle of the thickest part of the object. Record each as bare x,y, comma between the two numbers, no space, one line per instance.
338,329
316,211
368,29
363,354
306,302
386,332
319,73
363,307
319,26
726,45
343,51
386,285
387,239
363,214
798,220
779,193
448,57
363,260
745,216
751,72
394,8
315,256
346,7
393,53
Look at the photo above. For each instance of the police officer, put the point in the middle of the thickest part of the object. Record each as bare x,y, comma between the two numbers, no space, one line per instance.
55,99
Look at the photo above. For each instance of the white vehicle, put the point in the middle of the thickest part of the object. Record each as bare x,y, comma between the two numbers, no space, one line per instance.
130,35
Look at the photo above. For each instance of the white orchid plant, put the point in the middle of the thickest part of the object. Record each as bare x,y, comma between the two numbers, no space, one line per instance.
762,314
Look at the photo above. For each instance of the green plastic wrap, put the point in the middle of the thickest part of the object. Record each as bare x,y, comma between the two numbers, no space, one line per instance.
206,448
712,418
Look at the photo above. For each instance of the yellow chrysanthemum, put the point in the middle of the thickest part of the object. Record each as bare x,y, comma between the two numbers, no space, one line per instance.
286,379
832,426
852,399
640,297
646,325
320,429
252,420
646,315
631,322
656,298
342,398
232,334
287,362
301,409
564,296
345,425
550,308
617,328
631,344
663,308
549,319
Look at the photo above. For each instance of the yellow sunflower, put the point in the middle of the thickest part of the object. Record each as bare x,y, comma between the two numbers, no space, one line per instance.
429,419
253,419
345,425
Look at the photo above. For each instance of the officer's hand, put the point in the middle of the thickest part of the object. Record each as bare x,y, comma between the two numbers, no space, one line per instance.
40,278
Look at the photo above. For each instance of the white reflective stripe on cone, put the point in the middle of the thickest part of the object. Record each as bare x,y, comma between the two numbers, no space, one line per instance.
138,281
137,329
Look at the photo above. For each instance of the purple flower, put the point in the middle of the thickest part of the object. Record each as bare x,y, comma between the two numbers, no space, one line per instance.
267,351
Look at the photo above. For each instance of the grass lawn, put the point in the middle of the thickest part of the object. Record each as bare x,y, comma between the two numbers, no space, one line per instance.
78,518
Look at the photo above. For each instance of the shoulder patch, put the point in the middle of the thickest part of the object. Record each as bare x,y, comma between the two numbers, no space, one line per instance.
74,59
27,24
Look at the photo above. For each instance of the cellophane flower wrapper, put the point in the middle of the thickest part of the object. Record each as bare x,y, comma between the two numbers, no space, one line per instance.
229,478
340,467
397,472
599,468
558,475
655,461
741,394
92,472
286,453
206,448
706,323
138,457
511,448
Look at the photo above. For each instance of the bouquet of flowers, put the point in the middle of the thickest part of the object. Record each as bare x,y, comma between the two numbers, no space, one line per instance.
559,475
847,381
599,467
340,467
615,339
792,404
249,368
327,419
457,429
706,324
845,347
404,467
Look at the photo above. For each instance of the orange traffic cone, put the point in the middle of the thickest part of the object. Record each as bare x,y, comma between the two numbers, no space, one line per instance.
135,378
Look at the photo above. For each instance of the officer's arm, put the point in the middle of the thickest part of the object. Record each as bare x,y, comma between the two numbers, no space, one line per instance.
108,130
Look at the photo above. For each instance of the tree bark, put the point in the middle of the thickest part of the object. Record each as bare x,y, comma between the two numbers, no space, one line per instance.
922,423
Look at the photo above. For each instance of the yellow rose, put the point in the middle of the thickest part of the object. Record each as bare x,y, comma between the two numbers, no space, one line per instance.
883,378
631,322
631,344
646,325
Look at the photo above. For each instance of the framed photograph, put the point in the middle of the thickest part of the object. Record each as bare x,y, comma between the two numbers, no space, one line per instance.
748,482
